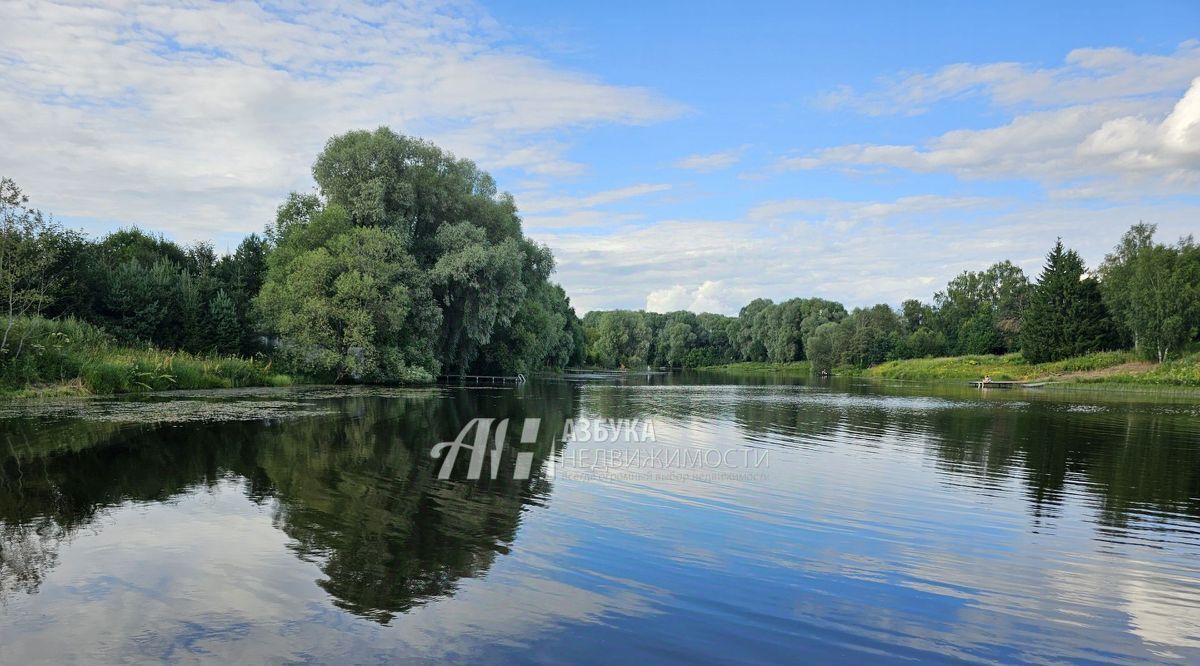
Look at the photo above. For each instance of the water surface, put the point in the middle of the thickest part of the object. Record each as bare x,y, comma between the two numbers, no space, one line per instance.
884,524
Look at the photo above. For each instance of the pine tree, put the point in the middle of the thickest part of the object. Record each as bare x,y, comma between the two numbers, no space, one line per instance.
1066,316
224,332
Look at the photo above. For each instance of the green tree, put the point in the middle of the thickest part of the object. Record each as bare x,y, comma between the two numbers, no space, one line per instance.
717,334
997,295
241,276
868,336
478,287
753,329
1066,314
464,237
545,333
678,337
354,306
979,335
922,343
821,348
225,332
916,314
27,253
385,179
622,338
1153,290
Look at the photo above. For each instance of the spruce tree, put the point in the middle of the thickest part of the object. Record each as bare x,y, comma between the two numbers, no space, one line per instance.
224,331
1066,316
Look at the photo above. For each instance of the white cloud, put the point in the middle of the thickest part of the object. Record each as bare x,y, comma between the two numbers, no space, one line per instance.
542,211
898,249
197,118
709,161
1087,75
709,296
1106,123
1135,143
858,211
580,219
534,202
1154,146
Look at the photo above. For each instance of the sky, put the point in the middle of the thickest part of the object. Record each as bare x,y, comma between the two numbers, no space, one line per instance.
687,155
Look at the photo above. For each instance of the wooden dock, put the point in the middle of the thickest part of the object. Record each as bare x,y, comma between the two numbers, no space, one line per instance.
995,384
1007,384
484,379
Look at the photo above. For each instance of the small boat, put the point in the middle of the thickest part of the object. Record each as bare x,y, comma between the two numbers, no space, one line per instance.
994,384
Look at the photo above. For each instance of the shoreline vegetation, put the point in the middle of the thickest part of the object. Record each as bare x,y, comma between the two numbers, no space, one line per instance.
1120,368
71,358
404,263
407,263
1134,319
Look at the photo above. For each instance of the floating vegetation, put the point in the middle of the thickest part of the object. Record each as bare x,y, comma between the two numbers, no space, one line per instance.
169,411
317,392
241,404
1085,409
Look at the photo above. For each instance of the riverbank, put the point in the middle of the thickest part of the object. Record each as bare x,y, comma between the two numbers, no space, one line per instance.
793,368
1100,368
68,357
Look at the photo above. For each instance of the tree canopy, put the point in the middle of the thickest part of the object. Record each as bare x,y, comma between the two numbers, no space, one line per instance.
408,261
405,263
1066,314
1153,291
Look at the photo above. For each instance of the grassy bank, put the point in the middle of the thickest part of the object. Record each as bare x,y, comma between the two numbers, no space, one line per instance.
1006,368
1099,368
794,368
69,357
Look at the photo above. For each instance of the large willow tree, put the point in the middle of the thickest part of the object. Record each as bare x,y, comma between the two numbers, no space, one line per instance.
409,263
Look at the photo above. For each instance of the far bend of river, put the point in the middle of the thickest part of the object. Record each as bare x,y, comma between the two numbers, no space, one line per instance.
883,524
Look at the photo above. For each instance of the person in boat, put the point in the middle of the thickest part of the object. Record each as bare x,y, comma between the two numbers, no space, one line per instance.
987,379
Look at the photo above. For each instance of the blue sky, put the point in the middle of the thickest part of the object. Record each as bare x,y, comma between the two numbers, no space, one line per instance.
674,155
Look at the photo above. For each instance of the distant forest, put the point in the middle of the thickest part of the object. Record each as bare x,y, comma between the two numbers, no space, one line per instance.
1145,296
407,263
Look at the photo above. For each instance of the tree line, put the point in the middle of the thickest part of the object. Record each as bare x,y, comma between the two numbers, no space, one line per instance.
1145,296
406,263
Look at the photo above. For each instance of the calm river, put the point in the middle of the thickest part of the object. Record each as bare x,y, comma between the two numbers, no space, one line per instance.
752,521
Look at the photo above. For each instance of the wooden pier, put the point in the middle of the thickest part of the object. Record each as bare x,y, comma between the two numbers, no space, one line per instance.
1007,384
484,379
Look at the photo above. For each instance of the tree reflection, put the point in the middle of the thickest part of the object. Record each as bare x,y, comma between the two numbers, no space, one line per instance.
1137,455
357,492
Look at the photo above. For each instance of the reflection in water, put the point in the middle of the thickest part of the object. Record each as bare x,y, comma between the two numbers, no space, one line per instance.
894,522
357,494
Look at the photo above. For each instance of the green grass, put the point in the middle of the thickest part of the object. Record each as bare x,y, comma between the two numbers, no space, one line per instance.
794,368
1009,367
1183,371
68,357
